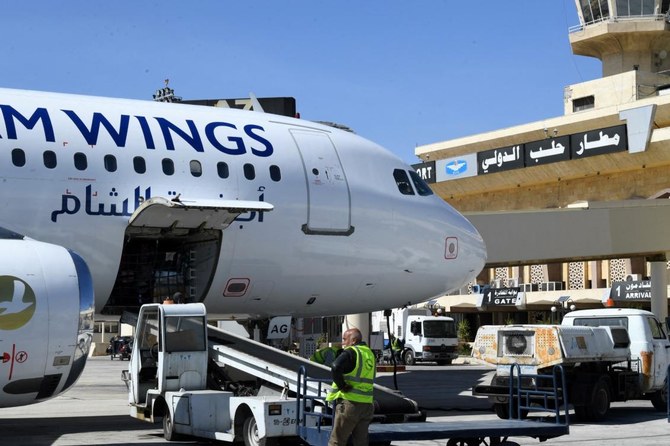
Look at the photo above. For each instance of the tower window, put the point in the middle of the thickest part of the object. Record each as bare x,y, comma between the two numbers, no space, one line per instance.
584,103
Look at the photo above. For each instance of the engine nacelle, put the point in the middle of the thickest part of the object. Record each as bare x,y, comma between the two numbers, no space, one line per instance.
46,319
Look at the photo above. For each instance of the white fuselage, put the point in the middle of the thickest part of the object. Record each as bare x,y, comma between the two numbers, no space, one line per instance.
341,238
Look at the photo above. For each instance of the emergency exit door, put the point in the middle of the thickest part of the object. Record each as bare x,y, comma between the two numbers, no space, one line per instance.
328,199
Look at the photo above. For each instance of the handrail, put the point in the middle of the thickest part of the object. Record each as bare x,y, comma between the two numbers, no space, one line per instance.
620,18
305,404
667,389
526,396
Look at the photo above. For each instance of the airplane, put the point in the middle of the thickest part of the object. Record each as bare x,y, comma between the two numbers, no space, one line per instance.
112,203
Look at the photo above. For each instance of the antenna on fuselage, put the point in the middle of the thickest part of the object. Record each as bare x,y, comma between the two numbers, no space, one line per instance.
166,94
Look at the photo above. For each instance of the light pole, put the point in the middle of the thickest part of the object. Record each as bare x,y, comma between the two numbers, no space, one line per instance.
561,306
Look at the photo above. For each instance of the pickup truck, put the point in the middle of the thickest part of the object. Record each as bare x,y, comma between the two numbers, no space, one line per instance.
610,354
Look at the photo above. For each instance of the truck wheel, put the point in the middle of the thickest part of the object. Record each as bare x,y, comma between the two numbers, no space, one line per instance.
597,403
250,434
659,399
408,357
502,410
168,427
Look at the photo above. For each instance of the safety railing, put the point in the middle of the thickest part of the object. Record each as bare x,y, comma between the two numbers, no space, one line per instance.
539,393
312,413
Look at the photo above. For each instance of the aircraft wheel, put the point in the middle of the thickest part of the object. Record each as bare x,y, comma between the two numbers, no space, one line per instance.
250,434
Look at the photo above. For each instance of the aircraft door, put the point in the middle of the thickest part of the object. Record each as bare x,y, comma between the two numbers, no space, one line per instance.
328,197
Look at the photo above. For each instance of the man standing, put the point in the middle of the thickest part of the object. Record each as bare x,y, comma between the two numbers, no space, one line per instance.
353,378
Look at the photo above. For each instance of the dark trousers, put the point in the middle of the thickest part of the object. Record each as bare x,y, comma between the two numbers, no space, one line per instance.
351,419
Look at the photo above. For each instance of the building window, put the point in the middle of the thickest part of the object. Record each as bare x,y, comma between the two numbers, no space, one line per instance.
80,161
110,163
196,168
49,157
168,166
633,8
249,171
594,10
275,173
585,103
139,164
402,181
18,157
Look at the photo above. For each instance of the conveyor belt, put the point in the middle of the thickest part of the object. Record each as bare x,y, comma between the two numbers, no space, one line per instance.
278,367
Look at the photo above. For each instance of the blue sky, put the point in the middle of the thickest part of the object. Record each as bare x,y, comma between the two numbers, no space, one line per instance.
399,73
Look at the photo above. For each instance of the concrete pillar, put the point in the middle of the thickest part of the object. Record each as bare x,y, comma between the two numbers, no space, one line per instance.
360,321
659,287
594,273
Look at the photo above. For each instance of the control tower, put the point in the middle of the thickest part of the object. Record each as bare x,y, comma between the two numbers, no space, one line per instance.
624,34
632,39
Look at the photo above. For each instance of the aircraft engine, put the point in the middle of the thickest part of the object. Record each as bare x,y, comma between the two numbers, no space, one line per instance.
46,319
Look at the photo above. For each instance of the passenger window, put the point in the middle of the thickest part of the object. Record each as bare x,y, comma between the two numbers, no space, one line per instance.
110,163
275,173
80,161
402,181
49,157
249,171
18,157
196,168
420,185
168,166
139,164
222,169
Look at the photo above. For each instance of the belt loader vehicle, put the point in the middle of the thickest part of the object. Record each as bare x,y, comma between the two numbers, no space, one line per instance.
179,362
612,354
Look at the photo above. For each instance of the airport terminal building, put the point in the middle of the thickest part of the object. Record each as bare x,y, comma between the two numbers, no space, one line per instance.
574,209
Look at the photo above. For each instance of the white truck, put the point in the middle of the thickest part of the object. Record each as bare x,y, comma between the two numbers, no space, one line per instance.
428,337
611,354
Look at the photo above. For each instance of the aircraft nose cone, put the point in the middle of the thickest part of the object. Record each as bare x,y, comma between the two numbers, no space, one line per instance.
464,251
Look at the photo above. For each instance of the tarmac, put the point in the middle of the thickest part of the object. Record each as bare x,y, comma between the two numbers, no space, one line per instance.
95,412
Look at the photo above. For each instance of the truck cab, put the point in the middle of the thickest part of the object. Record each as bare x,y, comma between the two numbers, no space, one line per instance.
170,353
649,345
429,338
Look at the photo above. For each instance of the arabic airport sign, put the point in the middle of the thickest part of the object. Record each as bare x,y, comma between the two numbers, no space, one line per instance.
551,150
457,167
547,151
638,290
426,171
498,160
598,142
501,297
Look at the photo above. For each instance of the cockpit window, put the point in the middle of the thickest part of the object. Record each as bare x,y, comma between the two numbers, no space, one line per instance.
402,181
420,185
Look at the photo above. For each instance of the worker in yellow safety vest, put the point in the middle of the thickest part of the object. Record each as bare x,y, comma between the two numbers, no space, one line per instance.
353,378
